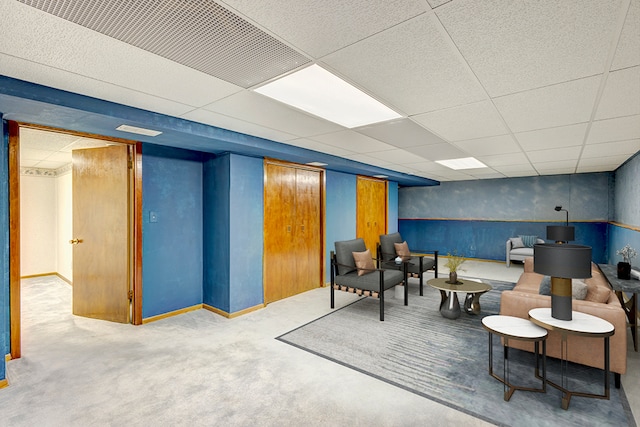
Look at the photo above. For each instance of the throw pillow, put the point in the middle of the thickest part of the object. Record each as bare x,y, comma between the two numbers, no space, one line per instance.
516,243
529,241
363,260
402,249
596,292
578,288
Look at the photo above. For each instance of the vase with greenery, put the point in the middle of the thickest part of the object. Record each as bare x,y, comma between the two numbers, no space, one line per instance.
624,267
453,264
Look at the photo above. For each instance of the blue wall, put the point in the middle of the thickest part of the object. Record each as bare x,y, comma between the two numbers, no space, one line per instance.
392,208
246,228
4,250
340,212
233,232
172,246
626,229
216,233
475,218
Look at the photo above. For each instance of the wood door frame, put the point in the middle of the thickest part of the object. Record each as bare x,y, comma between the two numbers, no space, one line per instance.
14,224
323,183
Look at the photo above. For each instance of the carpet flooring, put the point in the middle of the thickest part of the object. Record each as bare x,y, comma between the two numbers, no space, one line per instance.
444,360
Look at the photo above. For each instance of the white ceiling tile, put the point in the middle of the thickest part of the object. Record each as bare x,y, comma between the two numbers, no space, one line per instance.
621,96
34,154
364,158
522,169
47,164
411,66
65,80
353,141
563,136
436,3
551,106
237,125
607,149
485,173
263,111
60,156
397,155
515,46
628,50
46,141
568,166
45,39
28,163
427,166
617,129
608,163
504,159
469,121
489,146
321,27
438,152
400,133
554,154
321,147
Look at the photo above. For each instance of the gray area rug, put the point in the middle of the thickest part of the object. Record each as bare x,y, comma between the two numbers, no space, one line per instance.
416,349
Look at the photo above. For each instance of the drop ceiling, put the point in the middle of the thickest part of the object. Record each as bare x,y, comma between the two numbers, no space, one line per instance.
529,87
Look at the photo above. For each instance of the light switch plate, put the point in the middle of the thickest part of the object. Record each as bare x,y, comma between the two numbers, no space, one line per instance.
153,216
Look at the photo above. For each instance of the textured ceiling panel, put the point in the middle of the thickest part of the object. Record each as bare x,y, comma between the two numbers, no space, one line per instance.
401,133
618,129
516,45
322,27
628,51
200,34
563,136
410,66
621,96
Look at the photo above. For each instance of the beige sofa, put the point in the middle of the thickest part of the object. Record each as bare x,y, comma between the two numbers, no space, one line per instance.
600,301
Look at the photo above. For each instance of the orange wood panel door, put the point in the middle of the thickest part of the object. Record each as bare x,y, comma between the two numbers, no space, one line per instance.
371,211
292,231
308,239
101,252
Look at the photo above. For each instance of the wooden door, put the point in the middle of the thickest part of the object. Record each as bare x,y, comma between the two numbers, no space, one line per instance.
371,211
101,251
292,260
308,240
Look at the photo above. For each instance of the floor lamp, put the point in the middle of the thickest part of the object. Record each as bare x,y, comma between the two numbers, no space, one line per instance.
561,233
562,262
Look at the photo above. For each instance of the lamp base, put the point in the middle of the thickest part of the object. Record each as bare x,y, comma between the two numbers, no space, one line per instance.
561,298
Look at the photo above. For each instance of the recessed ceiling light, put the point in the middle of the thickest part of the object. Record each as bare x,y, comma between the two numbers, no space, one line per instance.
317,164
380,176
463,163
323,94
137,130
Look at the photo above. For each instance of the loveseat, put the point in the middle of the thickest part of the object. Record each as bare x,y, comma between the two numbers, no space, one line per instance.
517,250
599,301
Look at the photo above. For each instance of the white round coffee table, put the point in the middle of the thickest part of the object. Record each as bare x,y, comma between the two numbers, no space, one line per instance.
516,328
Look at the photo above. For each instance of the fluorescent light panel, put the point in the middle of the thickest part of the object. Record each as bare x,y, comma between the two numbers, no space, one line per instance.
463,163
380,176
137,130
317,91
319,164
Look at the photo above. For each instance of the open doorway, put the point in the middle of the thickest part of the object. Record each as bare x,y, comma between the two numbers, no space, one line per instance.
43,162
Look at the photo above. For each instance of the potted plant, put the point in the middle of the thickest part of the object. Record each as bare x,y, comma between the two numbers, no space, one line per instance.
453,264
624,267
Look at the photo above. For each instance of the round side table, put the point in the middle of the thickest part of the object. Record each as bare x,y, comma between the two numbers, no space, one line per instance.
516,328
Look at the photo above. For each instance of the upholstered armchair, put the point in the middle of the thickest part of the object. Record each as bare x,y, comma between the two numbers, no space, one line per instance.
392,245
353,270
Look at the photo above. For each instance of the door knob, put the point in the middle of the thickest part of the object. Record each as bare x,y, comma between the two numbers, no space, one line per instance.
75,241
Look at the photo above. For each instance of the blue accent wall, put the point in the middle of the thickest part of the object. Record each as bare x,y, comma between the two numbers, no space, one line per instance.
216,233
392,207
4,250
246,226
233,232
475,218
626,229
172,241
340,212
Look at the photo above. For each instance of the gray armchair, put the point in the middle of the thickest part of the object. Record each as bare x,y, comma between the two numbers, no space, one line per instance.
344,274
386,251
517,251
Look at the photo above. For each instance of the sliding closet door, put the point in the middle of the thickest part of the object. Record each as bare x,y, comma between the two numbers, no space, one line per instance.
371,211
292,231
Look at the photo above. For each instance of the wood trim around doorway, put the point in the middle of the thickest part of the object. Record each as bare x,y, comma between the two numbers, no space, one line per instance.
14,226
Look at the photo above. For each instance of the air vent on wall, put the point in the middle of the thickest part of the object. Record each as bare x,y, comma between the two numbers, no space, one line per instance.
199,34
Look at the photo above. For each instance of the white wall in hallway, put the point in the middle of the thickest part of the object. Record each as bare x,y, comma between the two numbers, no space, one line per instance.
64,225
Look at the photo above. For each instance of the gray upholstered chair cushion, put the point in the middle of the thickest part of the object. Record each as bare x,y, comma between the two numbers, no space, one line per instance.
427,264
386,245
344,254
370,281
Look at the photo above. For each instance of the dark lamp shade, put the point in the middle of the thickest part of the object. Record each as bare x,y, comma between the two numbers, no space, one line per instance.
560,233
566,261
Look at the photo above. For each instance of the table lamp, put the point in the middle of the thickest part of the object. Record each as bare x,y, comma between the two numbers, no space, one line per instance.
562,262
